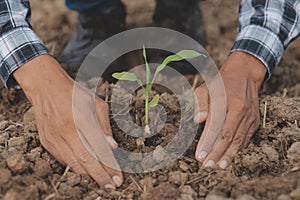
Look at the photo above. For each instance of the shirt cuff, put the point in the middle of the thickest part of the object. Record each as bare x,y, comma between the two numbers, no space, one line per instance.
261,43
17,47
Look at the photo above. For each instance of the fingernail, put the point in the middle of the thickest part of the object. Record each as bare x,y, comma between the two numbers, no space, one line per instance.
210,163
111,141
199,115
202,155
223,164
109,187
117,181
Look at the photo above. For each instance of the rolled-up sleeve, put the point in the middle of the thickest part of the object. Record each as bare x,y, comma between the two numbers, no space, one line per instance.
266,28
18,42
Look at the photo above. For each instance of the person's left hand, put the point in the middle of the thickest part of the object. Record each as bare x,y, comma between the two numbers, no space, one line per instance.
242,76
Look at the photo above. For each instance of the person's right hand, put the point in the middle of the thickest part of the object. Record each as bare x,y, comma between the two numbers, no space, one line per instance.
85,145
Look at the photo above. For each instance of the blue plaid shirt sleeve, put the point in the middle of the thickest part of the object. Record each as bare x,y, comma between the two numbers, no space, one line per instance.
266,28
18,42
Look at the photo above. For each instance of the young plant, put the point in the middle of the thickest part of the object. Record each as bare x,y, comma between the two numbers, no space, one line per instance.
127,76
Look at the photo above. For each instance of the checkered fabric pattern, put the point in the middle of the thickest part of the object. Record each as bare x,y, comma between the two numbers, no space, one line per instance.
18,42
266,28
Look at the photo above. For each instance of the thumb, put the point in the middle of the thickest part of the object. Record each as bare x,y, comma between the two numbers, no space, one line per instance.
202,96
102,113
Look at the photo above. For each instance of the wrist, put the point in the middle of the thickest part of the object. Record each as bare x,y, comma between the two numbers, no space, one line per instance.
41,74
245,65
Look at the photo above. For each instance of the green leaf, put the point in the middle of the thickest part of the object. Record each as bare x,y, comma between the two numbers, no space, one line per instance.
154,101
188,54
127,76
181,55
148,72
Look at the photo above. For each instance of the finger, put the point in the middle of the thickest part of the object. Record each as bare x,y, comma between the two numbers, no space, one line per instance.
60,150
88,160
249,136
102,113
202,96
242,133
107,160
64,153
46,143
70,160
75,166
94,168
95,143
228,136
93,139
213,128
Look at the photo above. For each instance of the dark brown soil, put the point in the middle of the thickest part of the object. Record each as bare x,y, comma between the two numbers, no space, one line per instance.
268,169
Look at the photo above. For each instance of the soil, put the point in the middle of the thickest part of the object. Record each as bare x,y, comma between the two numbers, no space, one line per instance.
268,169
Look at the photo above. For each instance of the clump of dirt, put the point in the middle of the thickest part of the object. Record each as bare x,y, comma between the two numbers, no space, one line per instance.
162,124
268,167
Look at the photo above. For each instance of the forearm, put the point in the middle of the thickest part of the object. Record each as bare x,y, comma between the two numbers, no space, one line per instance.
266,28
18,42
42,75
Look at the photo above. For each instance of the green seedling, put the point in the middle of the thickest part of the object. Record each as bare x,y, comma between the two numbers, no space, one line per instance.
127,76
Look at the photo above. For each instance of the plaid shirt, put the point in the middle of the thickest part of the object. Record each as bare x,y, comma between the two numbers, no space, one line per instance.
18,42
266,28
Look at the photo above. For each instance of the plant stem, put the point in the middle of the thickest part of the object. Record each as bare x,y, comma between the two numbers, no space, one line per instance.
147,109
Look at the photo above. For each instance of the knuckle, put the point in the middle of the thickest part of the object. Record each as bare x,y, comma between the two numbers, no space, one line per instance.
75,166
248,138
227,136
73,163
238,140
85,157
232,152
246,142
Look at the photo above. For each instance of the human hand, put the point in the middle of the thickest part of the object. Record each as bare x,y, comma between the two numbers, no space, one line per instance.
242,75
75,131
